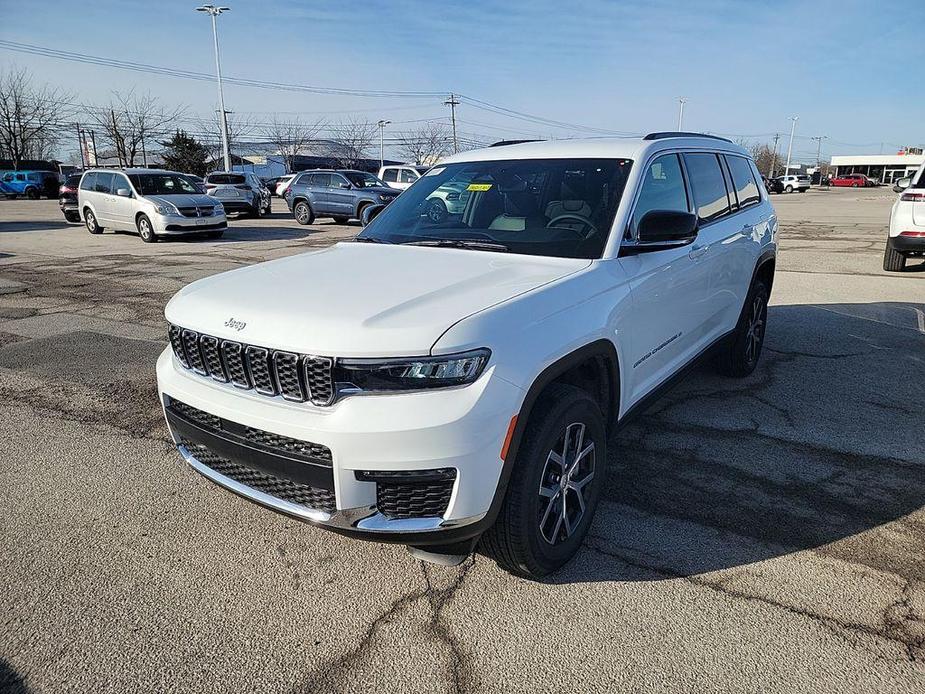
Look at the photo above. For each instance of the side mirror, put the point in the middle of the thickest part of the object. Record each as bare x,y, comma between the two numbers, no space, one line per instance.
370,212
902,183
667,228
123,192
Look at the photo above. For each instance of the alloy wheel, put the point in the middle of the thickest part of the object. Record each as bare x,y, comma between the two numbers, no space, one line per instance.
755,333
564,490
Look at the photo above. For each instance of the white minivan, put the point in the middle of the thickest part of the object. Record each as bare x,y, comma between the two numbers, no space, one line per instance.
150,202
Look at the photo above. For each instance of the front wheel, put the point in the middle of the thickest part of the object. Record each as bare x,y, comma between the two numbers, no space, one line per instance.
788,189
146,230
215,234
90,220
739,356
893,260
554,487
303,213
437,211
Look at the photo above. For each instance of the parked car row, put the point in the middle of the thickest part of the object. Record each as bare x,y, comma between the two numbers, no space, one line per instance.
341,194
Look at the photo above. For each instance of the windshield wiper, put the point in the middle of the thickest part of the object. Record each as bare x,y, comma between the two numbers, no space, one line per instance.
473,244
369,239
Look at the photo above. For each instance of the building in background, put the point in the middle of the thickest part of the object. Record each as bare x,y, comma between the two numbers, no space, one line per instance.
886,168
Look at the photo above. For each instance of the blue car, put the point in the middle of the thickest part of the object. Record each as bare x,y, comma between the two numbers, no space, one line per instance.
31,184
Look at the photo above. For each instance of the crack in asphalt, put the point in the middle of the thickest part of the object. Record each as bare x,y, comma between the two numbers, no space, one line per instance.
897,616
331,676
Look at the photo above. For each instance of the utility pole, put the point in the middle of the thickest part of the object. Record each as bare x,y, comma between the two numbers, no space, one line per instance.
144,153
382,125
80,147
819,140
793,127
115,136
213,13
96,160
774,157
453,102
681,102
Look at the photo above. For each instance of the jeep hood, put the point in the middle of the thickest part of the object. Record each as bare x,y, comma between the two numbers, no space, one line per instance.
359,300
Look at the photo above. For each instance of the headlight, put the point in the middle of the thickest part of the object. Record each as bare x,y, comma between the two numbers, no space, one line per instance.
167,210
416,373
386,198
218,209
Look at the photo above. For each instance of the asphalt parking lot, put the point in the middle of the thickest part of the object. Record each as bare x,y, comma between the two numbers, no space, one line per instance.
757,535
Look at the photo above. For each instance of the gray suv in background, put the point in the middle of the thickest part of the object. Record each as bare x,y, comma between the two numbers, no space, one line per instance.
342,194
239,192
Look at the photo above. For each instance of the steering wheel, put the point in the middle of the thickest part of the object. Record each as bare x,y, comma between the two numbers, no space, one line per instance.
584,233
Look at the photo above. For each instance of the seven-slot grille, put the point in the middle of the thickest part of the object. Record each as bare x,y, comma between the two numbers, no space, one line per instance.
197,211
295,377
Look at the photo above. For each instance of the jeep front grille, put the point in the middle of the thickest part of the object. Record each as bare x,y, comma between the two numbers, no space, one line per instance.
296,377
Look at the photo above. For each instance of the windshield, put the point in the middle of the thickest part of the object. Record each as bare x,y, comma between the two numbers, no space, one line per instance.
553,207
363,180
162,184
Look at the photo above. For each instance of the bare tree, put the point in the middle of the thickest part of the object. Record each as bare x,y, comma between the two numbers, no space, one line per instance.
765,158
132,122
426,144
31,116
351,141
291,136
241,128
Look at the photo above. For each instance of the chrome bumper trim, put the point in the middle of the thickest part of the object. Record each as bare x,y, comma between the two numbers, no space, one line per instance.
365,518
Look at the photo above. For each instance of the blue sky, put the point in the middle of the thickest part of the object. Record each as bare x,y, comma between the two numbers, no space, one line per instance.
744,66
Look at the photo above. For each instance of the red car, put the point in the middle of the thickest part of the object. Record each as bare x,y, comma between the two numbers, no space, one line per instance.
851,181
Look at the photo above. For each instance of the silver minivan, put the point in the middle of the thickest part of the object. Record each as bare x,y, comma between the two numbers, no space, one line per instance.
148,201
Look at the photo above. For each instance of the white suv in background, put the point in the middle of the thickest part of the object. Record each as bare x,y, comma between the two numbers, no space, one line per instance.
907,223
401,176
796,182
440,382
151,202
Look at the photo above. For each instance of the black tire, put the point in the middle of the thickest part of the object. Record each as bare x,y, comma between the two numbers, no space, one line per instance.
436,211
893,260
341,219
145,229
90,220
303,213
739,356
788,189
215,234
801,190
32,193
519,539
360,212
73,217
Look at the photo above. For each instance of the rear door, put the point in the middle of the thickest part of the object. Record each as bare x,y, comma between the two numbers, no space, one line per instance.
102,194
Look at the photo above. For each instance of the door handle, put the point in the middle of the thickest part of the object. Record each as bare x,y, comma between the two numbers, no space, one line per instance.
698,251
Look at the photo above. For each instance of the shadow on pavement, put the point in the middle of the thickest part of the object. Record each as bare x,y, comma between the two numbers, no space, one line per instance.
11,682
823,442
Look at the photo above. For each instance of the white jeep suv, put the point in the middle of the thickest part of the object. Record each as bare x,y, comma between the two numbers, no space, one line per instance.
434,383
907,223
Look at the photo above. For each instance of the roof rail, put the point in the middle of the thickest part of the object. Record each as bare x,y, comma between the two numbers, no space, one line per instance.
505,143
663,135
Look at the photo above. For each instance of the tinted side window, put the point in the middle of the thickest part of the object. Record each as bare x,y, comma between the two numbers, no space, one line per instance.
708,186
743,182
662,188
119,181
408,176
88,182
103,182
390,175
321,180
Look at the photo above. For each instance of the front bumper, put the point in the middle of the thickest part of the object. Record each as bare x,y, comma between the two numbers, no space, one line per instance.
187,225
461,429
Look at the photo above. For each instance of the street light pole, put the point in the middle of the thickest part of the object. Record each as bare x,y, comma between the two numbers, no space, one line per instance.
793,127
681,102
215,12
382,125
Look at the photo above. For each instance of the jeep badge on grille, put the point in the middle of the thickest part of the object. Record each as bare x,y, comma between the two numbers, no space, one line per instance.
236,324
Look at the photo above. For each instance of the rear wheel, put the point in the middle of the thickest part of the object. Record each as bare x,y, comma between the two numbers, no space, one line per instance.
788,189
72,216
32,193
145,229
303,213
90,220
739,356
341,219
893,260
554,487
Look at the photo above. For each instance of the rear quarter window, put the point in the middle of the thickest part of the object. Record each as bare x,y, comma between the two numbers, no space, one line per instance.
708,185
743,182
88,181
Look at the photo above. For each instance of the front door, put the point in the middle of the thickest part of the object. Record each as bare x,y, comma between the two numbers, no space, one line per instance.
341,195
122,208
668,287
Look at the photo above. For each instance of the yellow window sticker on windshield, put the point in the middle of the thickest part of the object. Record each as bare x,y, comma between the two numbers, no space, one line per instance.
479,187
